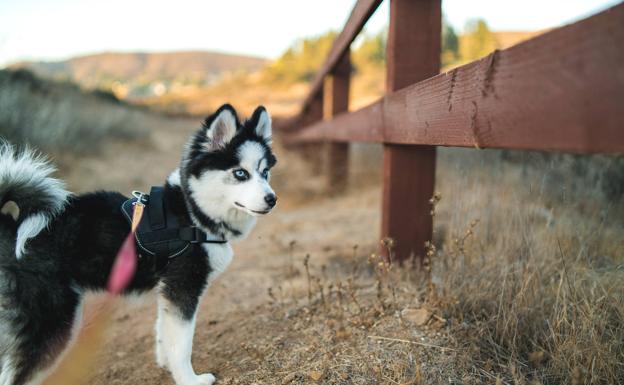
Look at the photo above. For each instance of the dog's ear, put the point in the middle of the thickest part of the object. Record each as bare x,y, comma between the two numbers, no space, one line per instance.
221,127
261,121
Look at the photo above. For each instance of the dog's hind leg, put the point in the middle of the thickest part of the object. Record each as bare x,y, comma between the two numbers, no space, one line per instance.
39,359
39,342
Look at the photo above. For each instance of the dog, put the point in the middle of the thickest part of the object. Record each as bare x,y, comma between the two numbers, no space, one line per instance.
55,246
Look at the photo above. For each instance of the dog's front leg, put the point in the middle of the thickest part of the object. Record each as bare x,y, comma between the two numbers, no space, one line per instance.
174,344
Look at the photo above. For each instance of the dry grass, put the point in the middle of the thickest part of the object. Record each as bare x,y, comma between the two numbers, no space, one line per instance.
499,325
523,286
345,324
537,285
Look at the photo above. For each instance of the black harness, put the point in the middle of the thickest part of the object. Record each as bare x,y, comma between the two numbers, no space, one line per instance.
159,235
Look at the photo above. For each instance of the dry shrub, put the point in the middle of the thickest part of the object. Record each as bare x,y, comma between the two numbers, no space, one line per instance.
342,324
60,116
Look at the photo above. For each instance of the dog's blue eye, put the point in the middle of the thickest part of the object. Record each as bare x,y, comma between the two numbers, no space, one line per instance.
265,173
241,174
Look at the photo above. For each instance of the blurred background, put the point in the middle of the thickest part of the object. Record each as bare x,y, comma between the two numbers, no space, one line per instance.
112,90
188,58
79,74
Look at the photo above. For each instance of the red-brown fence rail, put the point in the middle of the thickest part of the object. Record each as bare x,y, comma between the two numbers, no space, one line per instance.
561,91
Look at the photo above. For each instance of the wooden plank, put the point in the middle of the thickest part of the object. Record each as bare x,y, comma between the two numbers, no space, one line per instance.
360,14
337,154
364,125
413,54
561,91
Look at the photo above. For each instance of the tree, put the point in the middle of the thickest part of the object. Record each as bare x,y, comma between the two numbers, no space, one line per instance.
478,41
371,53
301,61
450,44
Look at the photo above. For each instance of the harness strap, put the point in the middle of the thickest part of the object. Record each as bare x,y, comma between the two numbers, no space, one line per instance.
156,208
195,235
188,234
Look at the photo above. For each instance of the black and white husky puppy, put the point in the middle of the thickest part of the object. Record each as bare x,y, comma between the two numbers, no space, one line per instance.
54,246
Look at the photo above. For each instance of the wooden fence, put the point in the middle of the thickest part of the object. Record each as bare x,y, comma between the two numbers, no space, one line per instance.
560,91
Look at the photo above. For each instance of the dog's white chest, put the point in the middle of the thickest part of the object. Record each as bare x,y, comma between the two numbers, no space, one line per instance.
219,257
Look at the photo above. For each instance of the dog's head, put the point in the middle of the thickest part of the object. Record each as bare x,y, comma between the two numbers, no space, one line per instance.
227,166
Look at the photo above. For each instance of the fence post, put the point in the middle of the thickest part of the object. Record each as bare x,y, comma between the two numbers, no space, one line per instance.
336,87
311,151
413,54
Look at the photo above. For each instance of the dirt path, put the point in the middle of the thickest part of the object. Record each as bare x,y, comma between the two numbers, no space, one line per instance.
322,227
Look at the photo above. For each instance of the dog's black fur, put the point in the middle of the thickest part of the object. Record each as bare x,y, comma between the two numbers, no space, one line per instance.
40,293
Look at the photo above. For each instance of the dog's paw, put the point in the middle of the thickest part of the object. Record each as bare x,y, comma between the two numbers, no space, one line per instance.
206,379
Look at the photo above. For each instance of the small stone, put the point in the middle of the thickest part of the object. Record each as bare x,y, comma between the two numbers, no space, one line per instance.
315,375
536,358
418,316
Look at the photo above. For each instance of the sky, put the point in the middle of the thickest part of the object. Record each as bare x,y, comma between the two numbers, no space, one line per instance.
55,30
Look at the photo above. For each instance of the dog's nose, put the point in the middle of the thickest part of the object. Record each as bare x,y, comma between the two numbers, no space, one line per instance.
270,199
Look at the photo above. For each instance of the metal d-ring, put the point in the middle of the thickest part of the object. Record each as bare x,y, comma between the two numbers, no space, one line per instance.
140,196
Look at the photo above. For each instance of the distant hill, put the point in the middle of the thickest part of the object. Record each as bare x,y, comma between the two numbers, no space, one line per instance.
105,70
195,82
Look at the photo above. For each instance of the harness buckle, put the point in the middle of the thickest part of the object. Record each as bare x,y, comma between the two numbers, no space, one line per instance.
140,196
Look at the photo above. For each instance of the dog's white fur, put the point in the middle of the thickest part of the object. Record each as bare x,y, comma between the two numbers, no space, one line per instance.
7,371
29,228
27,166
174,178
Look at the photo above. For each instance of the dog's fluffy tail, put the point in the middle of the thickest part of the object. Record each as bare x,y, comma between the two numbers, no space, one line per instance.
28,193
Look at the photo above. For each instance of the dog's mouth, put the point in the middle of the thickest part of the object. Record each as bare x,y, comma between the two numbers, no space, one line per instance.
252,211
